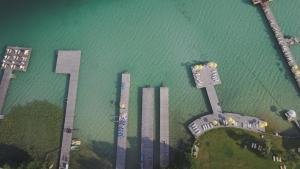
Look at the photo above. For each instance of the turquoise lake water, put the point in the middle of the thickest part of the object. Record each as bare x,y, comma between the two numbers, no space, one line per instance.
155,41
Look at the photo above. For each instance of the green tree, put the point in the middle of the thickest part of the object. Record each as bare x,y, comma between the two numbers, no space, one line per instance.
6,166
34,165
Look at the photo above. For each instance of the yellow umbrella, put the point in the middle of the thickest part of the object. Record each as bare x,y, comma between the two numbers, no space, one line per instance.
231,120
212,65
123,106
294,68
263,124
297,72
215,123
199,67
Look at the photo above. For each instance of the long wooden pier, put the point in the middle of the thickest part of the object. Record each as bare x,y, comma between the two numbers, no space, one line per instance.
147,129
164,127
68,62
4,88
283,43
123,122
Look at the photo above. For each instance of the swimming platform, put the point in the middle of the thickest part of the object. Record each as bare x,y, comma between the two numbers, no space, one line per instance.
68,62
206,76
15,59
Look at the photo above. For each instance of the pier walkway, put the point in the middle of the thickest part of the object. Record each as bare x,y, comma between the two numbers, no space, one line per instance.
213,99
164,127
4,88
123,122
68,62
147,129
283,43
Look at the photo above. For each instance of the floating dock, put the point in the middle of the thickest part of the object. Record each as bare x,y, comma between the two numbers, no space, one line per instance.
15,59
123,122
206,76
164,127
283,43
147,147
68,62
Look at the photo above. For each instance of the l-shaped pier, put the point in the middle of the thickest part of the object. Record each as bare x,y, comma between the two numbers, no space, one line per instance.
282,41
147,147
68,62
123,122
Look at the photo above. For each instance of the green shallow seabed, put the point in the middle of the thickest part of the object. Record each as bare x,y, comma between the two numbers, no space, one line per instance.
155,41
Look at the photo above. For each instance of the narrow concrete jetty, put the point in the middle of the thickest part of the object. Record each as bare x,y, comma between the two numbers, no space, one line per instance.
283,43
147,129
68,62
206,76
164,127
15,59
213,99
4,88
123,122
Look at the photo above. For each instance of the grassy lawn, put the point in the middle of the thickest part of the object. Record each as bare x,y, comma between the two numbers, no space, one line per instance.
225,148
85,158
31,132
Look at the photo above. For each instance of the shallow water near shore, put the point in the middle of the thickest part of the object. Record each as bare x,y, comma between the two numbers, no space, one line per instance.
156,41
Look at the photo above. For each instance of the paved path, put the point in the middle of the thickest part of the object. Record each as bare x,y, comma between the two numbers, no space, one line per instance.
147,129
297,124
68,62
164,127
123,122
4,88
